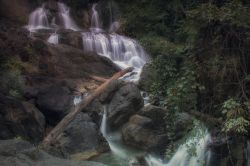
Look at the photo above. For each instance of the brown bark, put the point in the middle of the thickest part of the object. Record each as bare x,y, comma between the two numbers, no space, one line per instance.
52,136
99,79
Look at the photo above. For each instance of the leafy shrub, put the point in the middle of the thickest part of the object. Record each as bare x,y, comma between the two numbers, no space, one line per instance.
11,82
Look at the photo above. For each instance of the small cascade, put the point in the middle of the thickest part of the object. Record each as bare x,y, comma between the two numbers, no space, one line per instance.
38,19
54,38
182,157
95,20
68,22
121,50
113,139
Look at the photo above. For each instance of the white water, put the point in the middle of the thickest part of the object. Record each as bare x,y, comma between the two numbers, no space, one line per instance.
95,20
182,157
114,139
38,20
123,51
54,38
68,22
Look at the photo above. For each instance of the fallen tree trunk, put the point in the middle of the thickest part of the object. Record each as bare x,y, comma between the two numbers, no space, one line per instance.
52,136
99,79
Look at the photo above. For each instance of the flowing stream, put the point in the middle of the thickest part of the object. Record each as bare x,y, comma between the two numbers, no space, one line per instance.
125,52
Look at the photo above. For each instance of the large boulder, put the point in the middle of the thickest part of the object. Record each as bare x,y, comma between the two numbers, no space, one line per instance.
155,113
15,10
153,128
63,61
22,153
147,77
20,119
71,38
140,132
227,150
179,125
54,101
125,102
82,135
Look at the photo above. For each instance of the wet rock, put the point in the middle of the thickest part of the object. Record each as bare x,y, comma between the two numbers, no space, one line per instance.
147,77
125,102
55,102
19,10
150,129
180,126
65,61
20,119
156,114
71,38
227,151
139,132
22,153
82,135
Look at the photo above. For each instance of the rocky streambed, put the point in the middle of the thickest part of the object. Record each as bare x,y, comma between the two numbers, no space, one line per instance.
119,127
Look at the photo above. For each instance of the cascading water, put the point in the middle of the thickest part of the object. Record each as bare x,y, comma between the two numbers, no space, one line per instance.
183,157
39,19
113,139
95,21
121,50
54,38
68,22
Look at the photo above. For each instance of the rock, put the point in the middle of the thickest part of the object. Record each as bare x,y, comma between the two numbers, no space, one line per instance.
19,10
20,119
22,153
67,62
147,77
227,150
125,102
155,113
81,135
71,38
139,132
151,130
55,102
183,123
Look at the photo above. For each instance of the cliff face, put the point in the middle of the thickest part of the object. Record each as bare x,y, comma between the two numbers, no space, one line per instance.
15,10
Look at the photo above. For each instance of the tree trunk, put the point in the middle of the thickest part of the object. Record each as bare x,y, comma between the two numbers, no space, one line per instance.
52,136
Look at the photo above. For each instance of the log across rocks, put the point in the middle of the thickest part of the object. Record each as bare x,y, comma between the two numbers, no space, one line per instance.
52,136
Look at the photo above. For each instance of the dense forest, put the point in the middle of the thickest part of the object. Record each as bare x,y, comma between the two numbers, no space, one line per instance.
68,94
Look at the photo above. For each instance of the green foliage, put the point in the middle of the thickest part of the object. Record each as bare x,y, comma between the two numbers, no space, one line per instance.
11,82
236,125
235,117
200,52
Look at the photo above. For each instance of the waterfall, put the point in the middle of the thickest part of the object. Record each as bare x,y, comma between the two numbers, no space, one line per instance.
68,22
113,139
95,20
182,157
38,19
121,50
54,38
